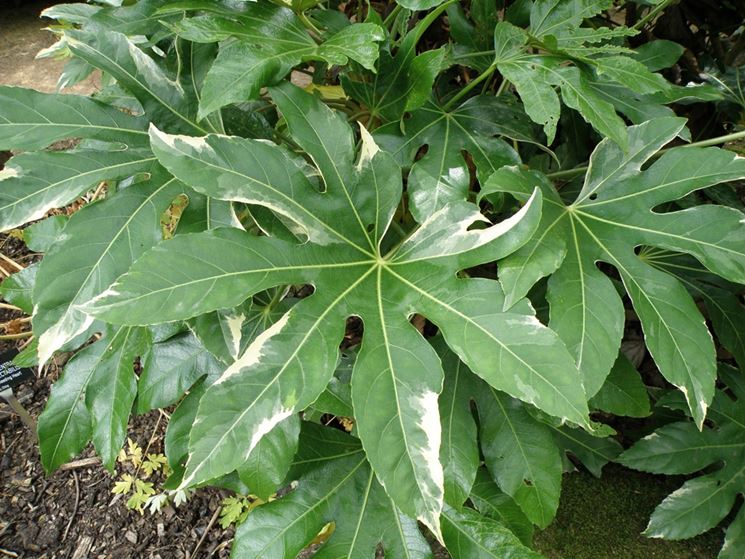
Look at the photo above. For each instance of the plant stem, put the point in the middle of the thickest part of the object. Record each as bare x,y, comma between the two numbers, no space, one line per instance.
652,14
716,141
18,336
568,173
390,17
473,83
502,86
309,25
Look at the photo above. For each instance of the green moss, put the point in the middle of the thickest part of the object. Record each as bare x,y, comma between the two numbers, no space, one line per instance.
603,519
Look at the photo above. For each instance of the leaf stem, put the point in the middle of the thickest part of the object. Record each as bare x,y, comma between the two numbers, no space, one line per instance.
502,86
473,83
569,173
18,336
390,17
309,25
652,14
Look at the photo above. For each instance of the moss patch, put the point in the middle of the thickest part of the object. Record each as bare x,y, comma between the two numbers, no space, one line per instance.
603,519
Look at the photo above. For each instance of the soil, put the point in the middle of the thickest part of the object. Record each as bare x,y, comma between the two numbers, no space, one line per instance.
22,36
73,513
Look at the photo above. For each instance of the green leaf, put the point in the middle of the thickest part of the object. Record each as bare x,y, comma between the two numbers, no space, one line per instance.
65,425
32,120
111,390
227,333
459,452
699,505
114,53
18,288
400,81
613,214
490,501
726,312
334,484
442,174
659,54
419,5
556,16
533,84
179,427
170,367
623,392
34,183
289,365
262,44
470,535
577,94
521,455
631,73
41,236
101,242
734,538
269,462
681,448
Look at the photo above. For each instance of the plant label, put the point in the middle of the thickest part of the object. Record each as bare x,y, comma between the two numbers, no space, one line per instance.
11,375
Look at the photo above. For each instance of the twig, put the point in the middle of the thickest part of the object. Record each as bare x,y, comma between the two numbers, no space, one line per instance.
206,531
8,553
22,319
10,307
74,508
82,463
12,262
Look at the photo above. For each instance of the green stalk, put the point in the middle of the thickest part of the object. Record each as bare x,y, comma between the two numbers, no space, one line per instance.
389,19
652,14
569,173
473,83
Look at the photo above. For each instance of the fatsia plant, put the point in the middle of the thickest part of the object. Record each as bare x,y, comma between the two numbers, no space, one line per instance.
355,270
300,213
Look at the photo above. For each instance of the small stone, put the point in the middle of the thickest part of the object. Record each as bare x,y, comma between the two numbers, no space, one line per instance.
130,536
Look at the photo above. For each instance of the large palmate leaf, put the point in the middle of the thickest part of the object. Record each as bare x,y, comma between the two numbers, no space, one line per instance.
262,43
613,214
681,448
397,375
441,175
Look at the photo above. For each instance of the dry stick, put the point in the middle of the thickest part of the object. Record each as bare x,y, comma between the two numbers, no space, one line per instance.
206,531
10,307
12,262
75,508
82,463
